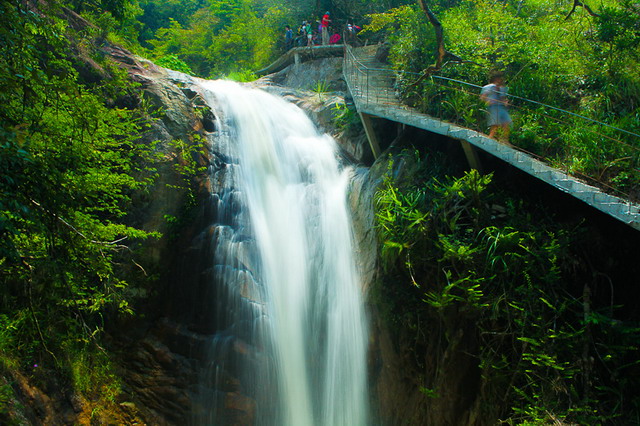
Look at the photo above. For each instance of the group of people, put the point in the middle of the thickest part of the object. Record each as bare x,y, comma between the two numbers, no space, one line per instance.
322,34
494,94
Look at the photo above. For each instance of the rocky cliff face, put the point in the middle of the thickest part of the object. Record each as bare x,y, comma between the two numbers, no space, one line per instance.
395,394
165,356
159,352
163,351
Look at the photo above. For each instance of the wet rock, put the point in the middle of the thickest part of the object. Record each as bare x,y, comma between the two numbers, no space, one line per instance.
322,94
243,406
325,74
361,200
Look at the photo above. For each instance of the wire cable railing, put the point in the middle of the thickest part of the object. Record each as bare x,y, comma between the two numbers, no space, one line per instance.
544,132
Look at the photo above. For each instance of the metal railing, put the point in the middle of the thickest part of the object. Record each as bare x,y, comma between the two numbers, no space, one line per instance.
372,86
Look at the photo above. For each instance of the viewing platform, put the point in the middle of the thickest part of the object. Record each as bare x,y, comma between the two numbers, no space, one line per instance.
297,55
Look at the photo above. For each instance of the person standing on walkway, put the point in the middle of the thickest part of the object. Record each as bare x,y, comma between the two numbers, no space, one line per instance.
288,38
325,29
494,95
309,32
301,39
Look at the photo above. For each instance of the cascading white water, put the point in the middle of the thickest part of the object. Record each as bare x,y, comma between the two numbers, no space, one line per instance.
305,321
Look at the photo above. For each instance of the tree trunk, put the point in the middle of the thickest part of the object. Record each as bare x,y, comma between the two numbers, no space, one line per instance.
577,3
441,53
437,28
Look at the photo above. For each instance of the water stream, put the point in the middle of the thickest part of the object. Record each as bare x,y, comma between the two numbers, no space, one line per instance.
293,333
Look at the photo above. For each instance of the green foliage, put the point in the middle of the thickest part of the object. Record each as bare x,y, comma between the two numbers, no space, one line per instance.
70,166
411,37
116,8
6,395
216,38
174,63
213,37
462,258
617,33
584,65
429,392
344,116
242,76
187,165
114,21
93,375
320,88
158,14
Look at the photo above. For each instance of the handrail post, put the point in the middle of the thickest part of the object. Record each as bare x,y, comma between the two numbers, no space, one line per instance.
367,83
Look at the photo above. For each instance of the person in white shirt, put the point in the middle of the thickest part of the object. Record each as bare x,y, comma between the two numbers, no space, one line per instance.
494,95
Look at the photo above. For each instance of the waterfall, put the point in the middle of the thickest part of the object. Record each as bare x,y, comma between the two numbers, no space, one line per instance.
292,332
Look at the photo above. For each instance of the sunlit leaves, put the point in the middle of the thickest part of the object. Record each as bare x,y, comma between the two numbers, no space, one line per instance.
220,38
585,65
70,165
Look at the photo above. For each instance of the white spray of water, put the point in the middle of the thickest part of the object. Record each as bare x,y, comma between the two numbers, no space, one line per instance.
316,329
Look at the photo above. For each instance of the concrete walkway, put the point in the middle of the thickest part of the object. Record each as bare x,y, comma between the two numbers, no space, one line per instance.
371,86
301,54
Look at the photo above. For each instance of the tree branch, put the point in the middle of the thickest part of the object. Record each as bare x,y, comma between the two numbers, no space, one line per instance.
441,52
113,243
437,28
577,3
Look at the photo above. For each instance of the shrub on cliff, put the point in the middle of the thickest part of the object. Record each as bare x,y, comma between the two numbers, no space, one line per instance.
498,299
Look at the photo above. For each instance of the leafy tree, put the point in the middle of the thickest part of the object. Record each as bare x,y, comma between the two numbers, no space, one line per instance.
224,37
217,37
118,8
159,14
70,165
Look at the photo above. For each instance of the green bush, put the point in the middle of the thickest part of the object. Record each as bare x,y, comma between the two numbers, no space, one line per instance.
174,63
461,258
242,76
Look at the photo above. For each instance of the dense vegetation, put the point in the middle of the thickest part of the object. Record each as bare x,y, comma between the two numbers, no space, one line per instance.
501,297
69,167
584,62
215,38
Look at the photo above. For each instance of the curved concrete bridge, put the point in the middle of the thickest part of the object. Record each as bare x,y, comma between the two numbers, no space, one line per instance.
372,89
371,85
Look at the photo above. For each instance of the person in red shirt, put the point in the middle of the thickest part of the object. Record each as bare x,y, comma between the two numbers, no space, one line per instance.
325,28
